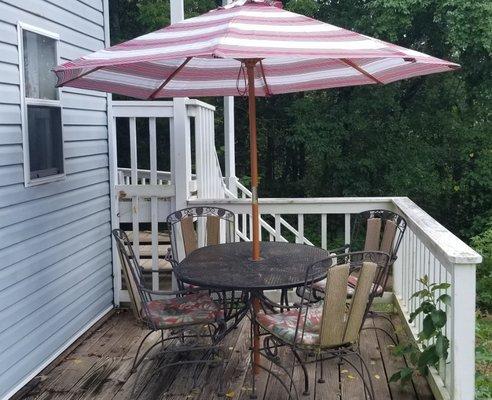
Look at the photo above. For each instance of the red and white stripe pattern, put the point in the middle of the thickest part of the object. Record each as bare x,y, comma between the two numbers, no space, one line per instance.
202,56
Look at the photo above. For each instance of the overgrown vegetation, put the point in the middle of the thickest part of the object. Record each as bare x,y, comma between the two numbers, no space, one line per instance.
432,344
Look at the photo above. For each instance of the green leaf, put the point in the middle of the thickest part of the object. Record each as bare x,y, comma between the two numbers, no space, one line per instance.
414,314
438,318
440,286
445,298
428,357
406,374
395,377
427,328
442,346
424,280
427,307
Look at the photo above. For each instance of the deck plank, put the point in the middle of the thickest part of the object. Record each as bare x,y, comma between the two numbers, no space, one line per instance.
99,369
372,356
392,363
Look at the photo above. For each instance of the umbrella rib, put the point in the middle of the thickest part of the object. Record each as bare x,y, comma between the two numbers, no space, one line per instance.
362,71
166,81
267,88
79,76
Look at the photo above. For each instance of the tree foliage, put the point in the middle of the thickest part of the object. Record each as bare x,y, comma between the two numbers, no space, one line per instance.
428,138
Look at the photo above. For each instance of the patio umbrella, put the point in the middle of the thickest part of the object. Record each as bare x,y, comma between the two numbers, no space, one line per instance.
249,47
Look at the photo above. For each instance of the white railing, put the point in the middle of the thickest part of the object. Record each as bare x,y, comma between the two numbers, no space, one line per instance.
144,198
143,177
427,248
209,180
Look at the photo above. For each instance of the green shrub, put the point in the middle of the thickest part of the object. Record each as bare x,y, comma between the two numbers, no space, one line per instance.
483,244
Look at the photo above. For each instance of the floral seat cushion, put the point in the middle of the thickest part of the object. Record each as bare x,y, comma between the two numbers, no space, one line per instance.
187,310
283,325
352,283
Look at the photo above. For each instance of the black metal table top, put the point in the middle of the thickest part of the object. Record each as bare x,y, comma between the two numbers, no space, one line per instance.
229,266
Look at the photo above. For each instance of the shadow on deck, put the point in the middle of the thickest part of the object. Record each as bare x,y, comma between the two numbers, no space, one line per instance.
99,369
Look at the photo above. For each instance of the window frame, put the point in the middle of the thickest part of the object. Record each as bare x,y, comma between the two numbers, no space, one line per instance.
26,101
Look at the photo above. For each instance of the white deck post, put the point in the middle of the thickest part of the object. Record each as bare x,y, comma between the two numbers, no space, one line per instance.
180,139
229,141
463,331
180,135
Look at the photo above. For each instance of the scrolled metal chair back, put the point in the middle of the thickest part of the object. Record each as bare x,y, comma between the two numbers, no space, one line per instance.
378,230
133,274
194,227
342,318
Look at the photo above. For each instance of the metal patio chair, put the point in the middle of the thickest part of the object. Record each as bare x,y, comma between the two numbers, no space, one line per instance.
373,230
194,227
327,329
189,315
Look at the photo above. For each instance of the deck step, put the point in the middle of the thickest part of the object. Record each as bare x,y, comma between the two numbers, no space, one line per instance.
145,237
145,250
163,265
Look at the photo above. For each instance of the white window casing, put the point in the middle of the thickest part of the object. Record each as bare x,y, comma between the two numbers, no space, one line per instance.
40,106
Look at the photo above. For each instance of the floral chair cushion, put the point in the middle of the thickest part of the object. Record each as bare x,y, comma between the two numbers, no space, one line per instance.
191,309
283,325
352,283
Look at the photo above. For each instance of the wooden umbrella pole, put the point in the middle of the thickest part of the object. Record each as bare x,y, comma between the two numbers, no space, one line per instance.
250,67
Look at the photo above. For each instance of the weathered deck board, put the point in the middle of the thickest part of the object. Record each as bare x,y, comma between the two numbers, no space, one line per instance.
99,369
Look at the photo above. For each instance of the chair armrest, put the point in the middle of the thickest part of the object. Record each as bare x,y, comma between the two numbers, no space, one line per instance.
340,249
272,304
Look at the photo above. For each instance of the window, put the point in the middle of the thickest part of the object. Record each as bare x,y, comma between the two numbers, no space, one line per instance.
41,107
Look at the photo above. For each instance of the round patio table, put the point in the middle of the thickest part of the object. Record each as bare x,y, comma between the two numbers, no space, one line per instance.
229,266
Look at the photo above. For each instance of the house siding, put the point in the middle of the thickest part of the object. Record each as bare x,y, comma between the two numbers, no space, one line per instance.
55,243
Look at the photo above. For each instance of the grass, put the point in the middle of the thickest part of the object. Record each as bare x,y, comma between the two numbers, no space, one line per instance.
483,354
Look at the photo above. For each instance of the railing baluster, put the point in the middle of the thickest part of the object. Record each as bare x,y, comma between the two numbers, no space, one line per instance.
300,228
278,228
154,229
324,227
134,181
347,229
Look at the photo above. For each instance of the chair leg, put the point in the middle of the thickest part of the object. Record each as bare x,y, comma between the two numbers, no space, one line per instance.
304,370
367,387
321,361
375,314
135,364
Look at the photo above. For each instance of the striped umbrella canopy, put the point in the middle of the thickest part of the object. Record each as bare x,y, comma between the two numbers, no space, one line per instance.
249,47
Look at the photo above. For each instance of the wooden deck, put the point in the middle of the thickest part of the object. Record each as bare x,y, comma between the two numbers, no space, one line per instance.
99,369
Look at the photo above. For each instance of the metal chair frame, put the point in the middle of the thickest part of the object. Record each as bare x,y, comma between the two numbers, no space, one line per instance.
342,351
140,294
358,230
215,225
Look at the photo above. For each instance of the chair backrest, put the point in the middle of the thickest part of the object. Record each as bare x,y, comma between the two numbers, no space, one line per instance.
194,227
343,318
379,230
132,273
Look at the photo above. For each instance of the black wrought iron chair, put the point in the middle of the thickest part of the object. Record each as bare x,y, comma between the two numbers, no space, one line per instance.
194,227
373,230
190,315
329,329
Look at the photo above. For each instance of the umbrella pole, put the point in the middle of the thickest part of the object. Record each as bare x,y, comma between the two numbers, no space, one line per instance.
250,67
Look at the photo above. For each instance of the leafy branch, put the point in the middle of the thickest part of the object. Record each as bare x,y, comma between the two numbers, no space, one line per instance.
431,339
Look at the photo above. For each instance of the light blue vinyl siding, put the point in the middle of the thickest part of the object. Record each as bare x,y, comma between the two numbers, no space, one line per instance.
55,243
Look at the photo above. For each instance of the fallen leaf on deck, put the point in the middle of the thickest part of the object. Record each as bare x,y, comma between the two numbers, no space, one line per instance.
230,394
350,376
344,371
377,376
